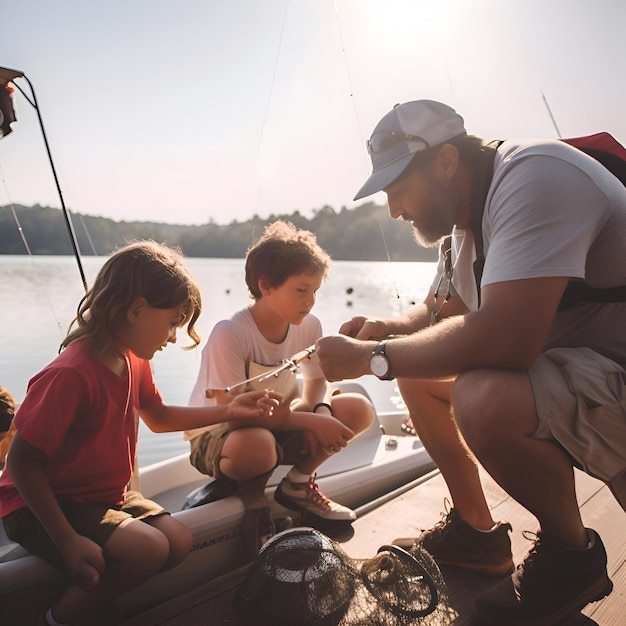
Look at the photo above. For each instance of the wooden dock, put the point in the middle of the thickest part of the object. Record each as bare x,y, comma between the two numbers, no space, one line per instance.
400,516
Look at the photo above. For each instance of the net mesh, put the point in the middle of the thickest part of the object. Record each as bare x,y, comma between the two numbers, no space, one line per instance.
303,577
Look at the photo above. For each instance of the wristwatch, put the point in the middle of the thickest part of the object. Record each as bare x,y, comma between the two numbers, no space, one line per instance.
379,362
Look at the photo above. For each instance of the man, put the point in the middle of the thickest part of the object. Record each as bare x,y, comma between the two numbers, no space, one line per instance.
522,379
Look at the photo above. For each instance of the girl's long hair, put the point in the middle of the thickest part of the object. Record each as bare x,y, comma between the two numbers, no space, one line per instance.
145,269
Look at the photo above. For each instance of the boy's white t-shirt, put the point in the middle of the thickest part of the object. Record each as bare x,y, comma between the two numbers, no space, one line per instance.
236,342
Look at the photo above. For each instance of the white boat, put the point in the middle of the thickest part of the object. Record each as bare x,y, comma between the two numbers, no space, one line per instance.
380,460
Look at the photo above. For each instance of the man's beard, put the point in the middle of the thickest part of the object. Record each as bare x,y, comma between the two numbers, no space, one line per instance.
443,208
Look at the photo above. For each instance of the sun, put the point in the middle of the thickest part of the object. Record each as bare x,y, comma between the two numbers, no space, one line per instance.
415,19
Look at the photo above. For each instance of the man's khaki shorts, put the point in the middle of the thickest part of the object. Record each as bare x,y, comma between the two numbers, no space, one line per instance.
206,449
580,398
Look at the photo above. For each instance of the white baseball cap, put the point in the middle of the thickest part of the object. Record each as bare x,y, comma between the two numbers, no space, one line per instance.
408,128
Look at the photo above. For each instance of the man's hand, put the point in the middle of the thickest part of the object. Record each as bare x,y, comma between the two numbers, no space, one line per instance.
342,357
361,327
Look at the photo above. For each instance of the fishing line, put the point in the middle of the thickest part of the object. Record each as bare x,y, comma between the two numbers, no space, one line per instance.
20,229
349,77
360,132
393,277
66,214
269,98
556,127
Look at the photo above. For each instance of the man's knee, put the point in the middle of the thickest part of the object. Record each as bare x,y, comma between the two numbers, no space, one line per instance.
489,404
476,403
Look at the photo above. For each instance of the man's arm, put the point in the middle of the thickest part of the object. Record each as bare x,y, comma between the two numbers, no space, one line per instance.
508,331
416,318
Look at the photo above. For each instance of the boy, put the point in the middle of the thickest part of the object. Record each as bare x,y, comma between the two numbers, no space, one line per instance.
284,270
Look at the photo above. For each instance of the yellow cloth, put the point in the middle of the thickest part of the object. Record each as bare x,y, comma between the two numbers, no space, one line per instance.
285,382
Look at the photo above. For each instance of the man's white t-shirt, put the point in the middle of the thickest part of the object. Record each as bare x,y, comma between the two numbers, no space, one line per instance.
551,210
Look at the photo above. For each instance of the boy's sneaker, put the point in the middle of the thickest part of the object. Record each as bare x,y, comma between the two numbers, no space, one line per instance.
308,497
218,489
550,585
454,542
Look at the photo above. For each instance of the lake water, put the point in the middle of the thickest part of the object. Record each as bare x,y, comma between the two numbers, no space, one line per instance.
40,295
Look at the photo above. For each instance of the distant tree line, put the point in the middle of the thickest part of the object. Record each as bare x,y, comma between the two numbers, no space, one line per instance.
364,233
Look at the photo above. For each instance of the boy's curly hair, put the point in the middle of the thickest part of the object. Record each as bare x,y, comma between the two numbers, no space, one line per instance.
281,252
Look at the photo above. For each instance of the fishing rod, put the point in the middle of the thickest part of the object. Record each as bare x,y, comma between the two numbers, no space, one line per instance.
545,101
291,364
9,75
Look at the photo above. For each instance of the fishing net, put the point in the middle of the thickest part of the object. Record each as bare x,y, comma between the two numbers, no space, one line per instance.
302,577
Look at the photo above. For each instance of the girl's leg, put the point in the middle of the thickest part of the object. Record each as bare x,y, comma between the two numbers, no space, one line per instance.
134,553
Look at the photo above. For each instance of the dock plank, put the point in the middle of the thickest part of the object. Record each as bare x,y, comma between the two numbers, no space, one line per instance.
421,507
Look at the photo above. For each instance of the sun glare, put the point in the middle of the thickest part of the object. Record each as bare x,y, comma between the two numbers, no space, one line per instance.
417,19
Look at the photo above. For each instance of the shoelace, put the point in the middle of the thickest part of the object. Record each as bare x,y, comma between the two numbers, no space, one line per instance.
529,573
445,517
534,549
314,494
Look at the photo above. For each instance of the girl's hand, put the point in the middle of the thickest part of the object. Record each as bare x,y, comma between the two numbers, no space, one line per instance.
85,562
255,408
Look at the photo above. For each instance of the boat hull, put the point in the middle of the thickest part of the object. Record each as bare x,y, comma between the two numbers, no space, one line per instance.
373,464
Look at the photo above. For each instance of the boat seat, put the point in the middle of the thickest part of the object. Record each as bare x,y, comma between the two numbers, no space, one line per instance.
9,550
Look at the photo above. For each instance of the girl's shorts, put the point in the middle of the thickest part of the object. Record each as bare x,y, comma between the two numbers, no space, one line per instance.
90,519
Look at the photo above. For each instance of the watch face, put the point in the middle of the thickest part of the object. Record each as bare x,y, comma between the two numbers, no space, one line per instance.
379,365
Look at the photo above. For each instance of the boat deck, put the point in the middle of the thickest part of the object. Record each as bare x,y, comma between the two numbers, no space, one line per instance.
399,516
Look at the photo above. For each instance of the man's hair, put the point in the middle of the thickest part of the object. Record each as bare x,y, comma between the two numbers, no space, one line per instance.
281,252
145,269
7,409
469,147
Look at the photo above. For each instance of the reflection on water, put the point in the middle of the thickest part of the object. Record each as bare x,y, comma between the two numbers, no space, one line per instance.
40,296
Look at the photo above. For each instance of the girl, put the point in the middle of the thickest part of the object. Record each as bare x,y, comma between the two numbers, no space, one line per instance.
63,496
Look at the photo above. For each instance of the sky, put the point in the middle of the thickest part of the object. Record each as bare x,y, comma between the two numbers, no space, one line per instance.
217,110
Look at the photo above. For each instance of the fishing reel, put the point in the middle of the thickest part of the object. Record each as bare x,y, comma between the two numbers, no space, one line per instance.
302,577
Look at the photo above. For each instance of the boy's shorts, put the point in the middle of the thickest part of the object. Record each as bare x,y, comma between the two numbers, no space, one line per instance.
94,520
206,449
580,397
